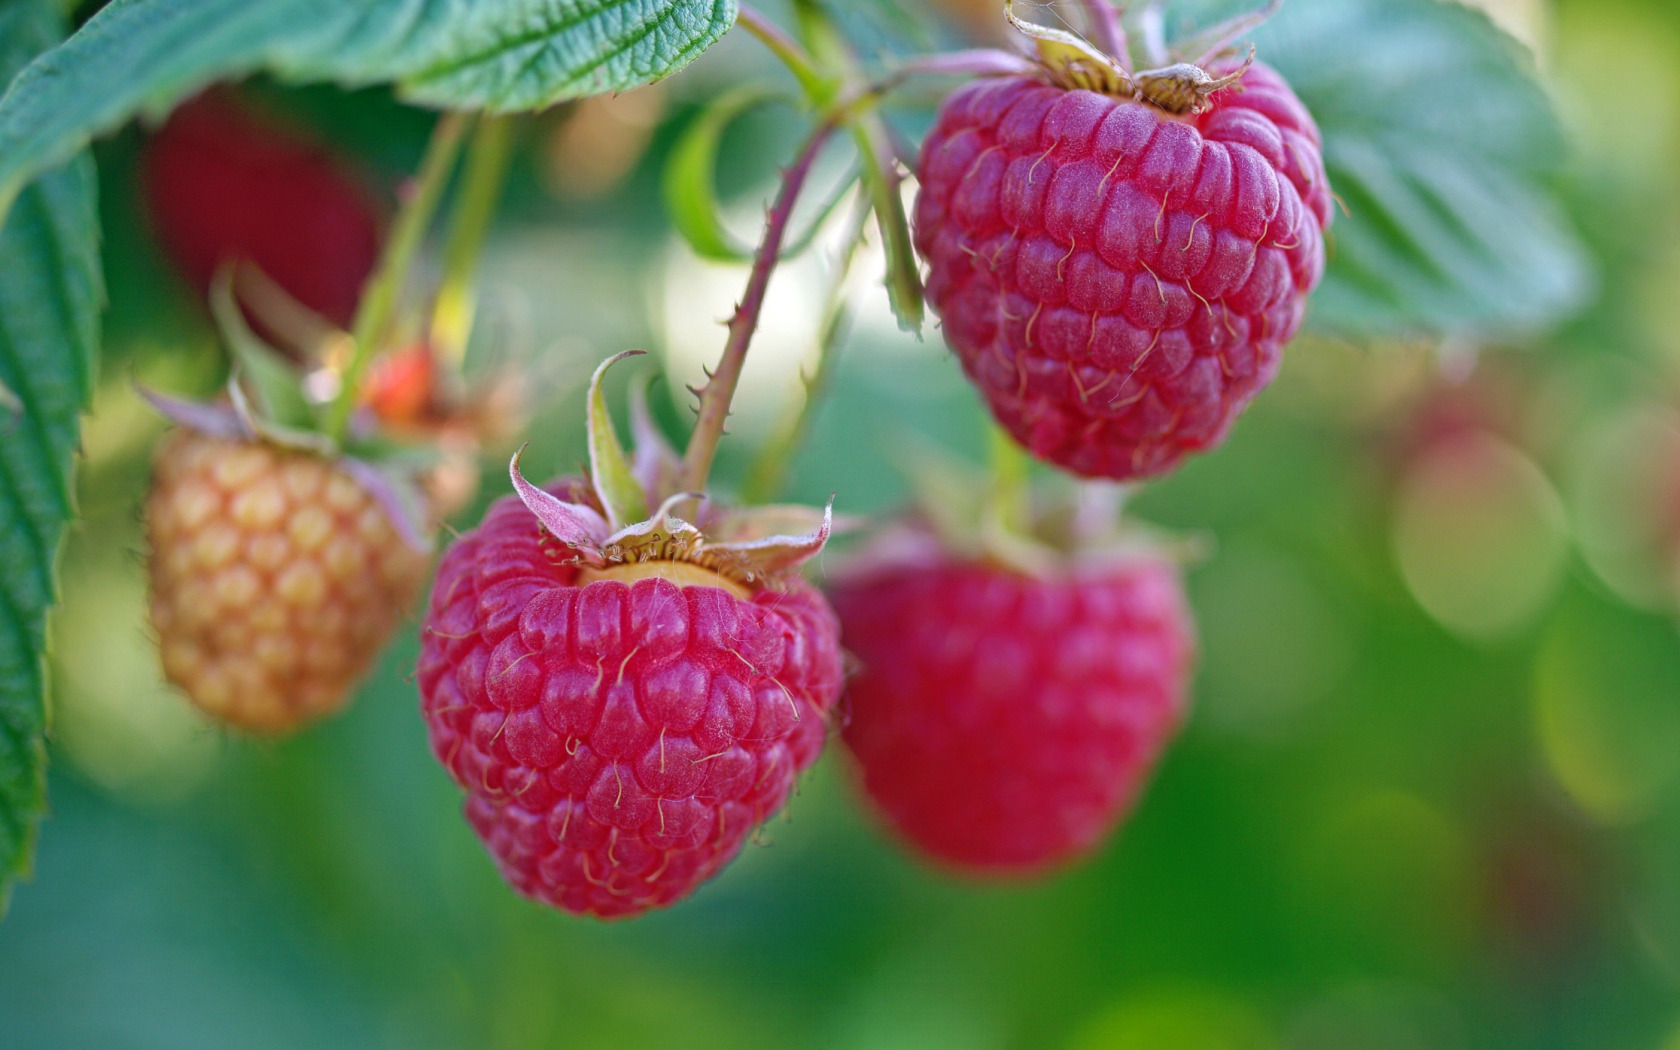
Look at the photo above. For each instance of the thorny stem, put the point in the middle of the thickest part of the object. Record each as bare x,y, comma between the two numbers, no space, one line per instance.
720,387
874,142
475,206
379,301
772,463
832,81
1103,23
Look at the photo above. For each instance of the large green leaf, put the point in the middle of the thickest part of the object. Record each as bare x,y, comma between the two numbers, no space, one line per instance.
139,55
1444,148
50,295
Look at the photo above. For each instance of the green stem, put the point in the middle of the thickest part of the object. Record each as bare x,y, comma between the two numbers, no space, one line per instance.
767,472
874,143
475,206
1010,496
786,49
379,300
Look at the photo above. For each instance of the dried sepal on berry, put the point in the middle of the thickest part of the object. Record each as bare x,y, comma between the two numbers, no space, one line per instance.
1040,527
609,525
1184,87
1071,61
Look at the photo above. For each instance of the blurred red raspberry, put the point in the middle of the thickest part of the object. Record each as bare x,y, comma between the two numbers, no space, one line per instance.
222,183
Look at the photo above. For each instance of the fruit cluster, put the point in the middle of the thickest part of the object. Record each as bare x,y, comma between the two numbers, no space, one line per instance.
625,675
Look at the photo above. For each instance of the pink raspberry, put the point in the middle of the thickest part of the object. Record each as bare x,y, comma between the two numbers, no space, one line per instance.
619,732
1120,281
1002,722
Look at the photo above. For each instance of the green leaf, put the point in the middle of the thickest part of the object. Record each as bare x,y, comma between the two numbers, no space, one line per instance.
138,56
1445,149
50,297
690,196
621,494
691,199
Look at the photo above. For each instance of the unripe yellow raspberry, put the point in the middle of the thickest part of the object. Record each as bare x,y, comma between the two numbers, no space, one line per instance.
276,579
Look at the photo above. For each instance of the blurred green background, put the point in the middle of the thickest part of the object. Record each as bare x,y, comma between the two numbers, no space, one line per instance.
1429,798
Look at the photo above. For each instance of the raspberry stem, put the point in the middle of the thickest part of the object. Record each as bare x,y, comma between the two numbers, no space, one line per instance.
379,301
978,61
879,154
784,47
475,205
720,388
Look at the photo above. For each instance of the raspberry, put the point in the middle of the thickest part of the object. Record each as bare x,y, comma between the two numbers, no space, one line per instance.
276,579
223,186
1116,280
619,731
1003,722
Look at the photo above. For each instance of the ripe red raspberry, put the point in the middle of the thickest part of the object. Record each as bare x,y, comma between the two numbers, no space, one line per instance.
1117,280
223,186
1004,722
619,731
276,578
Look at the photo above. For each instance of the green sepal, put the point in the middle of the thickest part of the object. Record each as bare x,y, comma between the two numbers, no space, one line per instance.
300,438
615,482
271,382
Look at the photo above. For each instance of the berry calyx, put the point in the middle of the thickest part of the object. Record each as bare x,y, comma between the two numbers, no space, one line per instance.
1116,278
